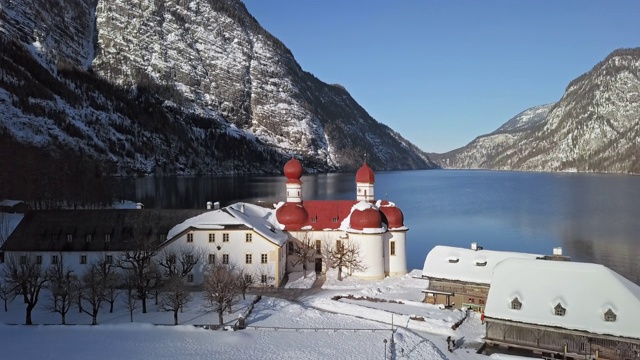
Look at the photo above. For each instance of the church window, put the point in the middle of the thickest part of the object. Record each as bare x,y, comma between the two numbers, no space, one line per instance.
392,248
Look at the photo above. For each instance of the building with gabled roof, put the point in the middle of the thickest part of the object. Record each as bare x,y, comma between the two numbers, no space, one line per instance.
580,310
460,277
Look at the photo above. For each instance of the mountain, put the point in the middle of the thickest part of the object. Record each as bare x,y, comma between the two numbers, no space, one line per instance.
175,87
594,127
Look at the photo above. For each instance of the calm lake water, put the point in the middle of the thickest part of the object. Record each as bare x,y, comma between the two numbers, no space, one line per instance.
593,217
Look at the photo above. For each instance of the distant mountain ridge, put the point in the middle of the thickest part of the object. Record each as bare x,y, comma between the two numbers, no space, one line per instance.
180,87
594,127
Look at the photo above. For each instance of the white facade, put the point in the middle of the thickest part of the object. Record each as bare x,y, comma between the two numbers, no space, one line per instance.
395,245
372,253
239,235
365,192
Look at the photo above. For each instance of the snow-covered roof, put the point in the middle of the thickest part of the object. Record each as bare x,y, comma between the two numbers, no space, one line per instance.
476,266
261,220
10,203
587,291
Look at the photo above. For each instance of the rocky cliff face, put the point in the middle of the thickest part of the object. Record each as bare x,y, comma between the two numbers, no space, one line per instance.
177,87
594,127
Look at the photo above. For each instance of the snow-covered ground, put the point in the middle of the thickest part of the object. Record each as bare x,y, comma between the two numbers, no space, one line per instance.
310,325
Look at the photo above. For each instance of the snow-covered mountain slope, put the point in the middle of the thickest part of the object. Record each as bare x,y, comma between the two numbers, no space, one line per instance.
594,127
177,87
483,150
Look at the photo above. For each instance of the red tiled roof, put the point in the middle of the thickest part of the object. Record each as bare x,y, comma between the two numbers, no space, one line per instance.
327,214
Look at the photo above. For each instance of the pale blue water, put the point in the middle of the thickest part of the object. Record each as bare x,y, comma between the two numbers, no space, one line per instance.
593,217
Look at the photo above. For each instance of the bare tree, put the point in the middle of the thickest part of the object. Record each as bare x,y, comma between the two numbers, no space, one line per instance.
27,277
98,284
138,262
6,293
180,261
303,252
112,282
131,301
265,273
63,288
245,279
175,296
344,254
221,289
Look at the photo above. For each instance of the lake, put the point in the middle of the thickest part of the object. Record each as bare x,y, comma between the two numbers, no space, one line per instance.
593,217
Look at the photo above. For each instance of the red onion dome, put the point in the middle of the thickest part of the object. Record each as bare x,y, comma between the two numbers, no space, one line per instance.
368,218
293,169
393,215
292,215
365,175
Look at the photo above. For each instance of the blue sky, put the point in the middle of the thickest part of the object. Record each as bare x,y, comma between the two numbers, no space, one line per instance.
443,72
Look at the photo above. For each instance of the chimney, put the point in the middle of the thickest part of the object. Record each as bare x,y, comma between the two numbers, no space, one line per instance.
557,255
139,206
209,205
216,205
474,246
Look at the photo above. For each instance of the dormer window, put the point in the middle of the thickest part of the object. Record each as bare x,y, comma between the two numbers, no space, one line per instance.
516,304
559,310
481,263
454,260
610,316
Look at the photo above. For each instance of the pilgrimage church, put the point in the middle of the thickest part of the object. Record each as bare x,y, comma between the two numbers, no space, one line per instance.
256,239
377,227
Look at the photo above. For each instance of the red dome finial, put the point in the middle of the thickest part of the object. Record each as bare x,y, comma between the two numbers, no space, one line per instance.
365,174
293,169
